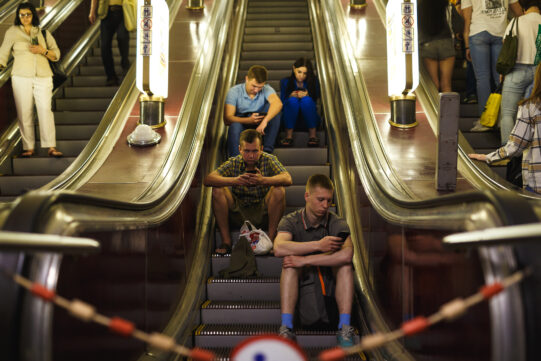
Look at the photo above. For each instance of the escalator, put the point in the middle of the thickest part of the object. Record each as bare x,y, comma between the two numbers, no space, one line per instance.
78,106
276,33
167,234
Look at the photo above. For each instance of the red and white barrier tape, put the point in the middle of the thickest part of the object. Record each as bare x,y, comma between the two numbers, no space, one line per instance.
447,312
88,313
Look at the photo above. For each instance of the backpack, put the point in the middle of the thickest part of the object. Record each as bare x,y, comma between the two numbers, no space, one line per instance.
242,263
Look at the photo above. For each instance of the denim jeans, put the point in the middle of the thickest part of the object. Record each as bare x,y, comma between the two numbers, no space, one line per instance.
306,106
516,86
484,50
271,132
111,24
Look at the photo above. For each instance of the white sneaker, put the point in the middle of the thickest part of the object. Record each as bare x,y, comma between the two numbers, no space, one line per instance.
478,127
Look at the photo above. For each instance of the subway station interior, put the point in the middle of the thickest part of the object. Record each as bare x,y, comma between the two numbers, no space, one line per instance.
129,229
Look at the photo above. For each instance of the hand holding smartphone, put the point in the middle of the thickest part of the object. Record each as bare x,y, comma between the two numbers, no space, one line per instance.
34,41
343,236
252,171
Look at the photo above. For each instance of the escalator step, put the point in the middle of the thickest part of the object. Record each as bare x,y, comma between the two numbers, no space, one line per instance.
301,173
273,75
41,165
280,4
97,69
82,104
469,110
250,312
483,139
17,185
269,64
65,117
116,52
277,15
256,289
72,131
90,92
295,10
273,23
227,335
277,37
268,266
289,46
301,156
278,30
291,55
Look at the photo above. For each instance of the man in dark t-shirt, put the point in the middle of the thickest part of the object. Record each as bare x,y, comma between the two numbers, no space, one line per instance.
314,236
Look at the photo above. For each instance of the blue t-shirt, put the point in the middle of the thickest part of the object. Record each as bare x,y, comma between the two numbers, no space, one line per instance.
239,98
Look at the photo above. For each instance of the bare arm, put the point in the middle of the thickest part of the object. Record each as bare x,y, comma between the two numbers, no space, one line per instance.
339,258
516,9
214,179
229,116
275,106
466,13
93,10
282,179
284,245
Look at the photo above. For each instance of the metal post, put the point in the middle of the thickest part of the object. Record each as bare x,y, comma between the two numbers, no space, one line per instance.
195,5
447,142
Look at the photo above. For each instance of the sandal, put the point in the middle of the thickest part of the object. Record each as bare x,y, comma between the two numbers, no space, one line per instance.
54,153
286,142
27,153
313,142
223,246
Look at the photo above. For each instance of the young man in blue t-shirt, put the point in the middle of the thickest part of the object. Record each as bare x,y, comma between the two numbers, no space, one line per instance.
252,104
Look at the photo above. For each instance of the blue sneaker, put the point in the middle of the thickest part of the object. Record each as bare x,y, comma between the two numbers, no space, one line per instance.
345,336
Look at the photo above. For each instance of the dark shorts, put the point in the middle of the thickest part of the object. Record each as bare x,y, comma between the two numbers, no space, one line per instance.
438,49
255,213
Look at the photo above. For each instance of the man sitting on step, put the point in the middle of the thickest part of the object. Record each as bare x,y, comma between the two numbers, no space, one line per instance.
252,104
250,187
315,241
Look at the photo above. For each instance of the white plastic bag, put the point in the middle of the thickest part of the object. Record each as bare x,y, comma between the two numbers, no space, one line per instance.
259,240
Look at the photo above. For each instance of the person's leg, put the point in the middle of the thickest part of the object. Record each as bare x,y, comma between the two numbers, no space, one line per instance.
480,53
222,201
496,43
22,87
446,73
431,66
471,82
123,38
43,93
107,31
290,113
309,112
514,86
233,136
344,288
271,132
276,205
289,293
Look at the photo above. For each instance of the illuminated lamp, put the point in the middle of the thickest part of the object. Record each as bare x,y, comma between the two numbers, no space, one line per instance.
195,5
402,61
152,65
357,4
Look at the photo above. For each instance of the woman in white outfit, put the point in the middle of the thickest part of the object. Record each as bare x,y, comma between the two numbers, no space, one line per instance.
31,77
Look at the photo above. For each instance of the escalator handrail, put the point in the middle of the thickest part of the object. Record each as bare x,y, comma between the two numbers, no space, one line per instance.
8,9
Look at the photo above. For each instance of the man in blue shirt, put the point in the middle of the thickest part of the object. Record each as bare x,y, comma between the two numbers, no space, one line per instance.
253,104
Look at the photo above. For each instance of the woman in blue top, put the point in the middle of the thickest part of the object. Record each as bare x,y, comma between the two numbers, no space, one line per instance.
299,93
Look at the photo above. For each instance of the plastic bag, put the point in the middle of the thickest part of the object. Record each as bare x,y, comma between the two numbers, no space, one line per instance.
259,240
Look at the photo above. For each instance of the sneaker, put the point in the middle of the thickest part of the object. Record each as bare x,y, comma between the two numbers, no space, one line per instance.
477,127
288,333
470,99
345,336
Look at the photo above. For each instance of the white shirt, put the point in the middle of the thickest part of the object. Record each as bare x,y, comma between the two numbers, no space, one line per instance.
488,15
528,35
25,63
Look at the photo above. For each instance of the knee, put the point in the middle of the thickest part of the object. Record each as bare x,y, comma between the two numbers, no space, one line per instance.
278,194
217,193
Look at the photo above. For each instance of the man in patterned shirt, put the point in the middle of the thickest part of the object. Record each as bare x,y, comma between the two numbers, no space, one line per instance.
249,186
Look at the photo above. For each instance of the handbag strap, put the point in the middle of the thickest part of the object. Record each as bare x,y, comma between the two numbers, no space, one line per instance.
44,33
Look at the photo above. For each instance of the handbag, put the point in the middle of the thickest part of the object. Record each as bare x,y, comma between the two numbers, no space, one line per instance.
59,76
259,240
129,8
492,108
508,55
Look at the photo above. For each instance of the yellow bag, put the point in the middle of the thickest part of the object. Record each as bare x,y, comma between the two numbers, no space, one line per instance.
129,7
492,108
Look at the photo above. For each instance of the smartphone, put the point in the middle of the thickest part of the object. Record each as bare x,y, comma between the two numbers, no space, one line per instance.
343,235
34,41
301,90
261,114
251,171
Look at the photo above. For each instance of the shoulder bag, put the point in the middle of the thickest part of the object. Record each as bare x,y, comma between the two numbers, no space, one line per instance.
59,76
508,55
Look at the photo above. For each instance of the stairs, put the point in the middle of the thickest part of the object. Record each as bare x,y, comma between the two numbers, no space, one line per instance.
277,33
78,109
